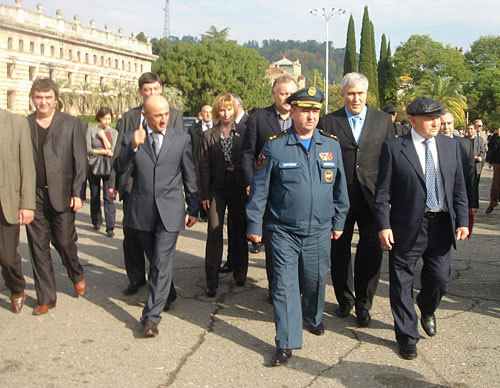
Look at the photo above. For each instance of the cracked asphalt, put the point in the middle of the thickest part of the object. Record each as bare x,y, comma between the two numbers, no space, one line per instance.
97,340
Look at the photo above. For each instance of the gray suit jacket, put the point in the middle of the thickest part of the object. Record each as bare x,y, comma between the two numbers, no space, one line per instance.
158,183
17,169
65,153
130,122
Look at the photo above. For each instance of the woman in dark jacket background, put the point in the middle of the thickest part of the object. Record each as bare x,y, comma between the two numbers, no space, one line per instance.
220,187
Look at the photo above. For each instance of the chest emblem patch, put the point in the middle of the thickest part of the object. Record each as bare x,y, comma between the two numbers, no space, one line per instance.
328,174
261,160
325,156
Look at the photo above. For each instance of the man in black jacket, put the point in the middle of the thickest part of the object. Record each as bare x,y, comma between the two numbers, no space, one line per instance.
361,131
494,159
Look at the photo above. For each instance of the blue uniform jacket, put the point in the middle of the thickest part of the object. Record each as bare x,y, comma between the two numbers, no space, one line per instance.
304,191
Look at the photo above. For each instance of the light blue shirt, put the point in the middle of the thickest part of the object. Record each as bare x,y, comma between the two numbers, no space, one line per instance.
356,131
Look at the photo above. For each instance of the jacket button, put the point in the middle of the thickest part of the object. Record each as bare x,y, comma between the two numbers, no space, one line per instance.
420,220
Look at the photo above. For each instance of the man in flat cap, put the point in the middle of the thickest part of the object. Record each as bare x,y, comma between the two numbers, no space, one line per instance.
300,178
398,128
421,210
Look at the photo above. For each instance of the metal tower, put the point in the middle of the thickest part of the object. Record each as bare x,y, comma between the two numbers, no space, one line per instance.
166,22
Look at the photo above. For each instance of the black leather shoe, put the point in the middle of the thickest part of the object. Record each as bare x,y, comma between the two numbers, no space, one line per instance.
363,317
255,248
428,323
343,311
489,210
132,288
408,352
211,292
110,233
317,330
226,268
281,356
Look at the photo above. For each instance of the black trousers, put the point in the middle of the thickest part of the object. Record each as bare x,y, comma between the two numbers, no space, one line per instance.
433,245
10,260
48,225
358,288
133,253
234,198
95,201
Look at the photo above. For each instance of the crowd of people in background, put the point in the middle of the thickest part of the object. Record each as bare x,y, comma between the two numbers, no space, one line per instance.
288,180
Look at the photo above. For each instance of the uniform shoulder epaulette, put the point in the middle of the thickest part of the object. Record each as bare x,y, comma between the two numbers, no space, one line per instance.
327,134
274,137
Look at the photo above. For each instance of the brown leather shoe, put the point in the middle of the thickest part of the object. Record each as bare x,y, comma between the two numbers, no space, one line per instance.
17,301
43,309
150,329
80,287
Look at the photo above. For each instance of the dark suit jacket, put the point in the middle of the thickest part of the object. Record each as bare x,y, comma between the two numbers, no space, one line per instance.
212,164
195,131
360,159
399,129
261,125
65,153
469,170
158,183
130,122
400,196
478,149
244,119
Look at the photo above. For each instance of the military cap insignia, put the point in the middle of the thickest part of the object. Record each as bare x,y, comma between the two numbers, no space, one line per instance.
326,156
328,174
261,160
311,91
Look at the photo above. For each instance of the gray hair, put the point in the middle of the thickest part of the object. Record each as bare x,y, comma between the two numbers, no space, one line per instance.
238,99
447,112
352,79
284,79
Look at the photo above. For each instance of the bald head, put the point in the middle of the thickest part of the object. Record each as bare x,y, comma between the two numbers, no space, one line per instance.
156,111
206,113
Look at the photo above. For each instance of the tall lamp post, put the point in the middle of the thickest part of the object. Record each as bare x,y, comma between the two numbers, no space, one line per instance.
327,15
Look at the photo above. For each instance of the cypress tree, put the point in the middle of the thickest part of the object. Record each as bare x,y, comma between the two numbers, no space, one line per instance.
374,79
350,64
382,69
366,53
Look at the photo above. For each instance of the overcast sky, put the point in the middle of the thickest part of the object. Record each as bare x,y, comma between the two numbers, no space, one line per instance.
457,22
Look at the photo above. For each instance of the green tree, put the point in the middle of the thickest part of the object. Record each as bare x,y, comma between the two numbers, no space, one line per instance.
484,97
420,56
446,91
366,52
203,70
484,53
214,33
141,37
383,64
374,63
350,64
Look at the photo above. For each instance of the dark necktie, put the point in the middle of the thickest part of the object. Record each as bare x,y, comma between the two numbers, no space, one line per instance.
430,179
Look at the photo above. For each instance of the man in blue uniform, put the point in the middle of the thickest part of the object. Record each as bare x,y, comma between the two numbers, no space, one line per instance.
300,177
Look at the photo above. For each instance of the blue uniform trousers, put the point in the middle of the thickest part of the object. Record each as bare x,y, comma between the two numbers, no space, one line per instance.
294,256
433,244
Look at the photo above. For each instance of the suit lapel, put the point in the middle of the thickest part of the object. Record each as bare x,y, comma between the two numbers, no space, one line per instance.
167,143
442,152
366,125
148,148
34,133
343,123
135,119
216,139
409,151
54,126
272,120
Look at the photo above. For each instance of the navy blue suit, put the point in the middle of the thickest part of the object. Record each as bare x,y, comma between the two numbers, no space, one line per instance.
400,205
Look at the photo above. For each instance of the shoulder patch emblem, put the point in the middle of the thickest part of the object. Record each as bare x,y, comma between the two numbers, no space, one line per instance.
327,134
274,137
328,176
261,160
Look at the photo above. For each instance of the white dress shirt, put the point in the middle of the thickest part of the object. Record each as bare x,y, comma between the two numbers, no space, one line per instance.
420,148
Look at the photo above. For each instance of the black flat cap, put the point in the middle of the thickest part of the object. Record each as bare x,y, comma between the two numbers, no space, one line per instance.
425,106
310,97
391,109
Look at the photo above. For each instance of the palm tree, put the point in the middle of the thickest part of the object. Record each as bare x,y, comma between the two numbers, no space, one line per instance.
446,91
67,96
214,33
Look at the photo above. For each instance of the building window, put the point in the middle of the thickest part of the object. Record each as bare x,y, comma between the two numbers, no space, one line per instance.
52,74
87,57
129,66
61,53
109,62
42,49
95,59
32,47
135,67
87,79
31,72
101,81
70,54
102,60
21,45
10,70
116,63
142,71
70,78
52,51
9,43
79,56
11,99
